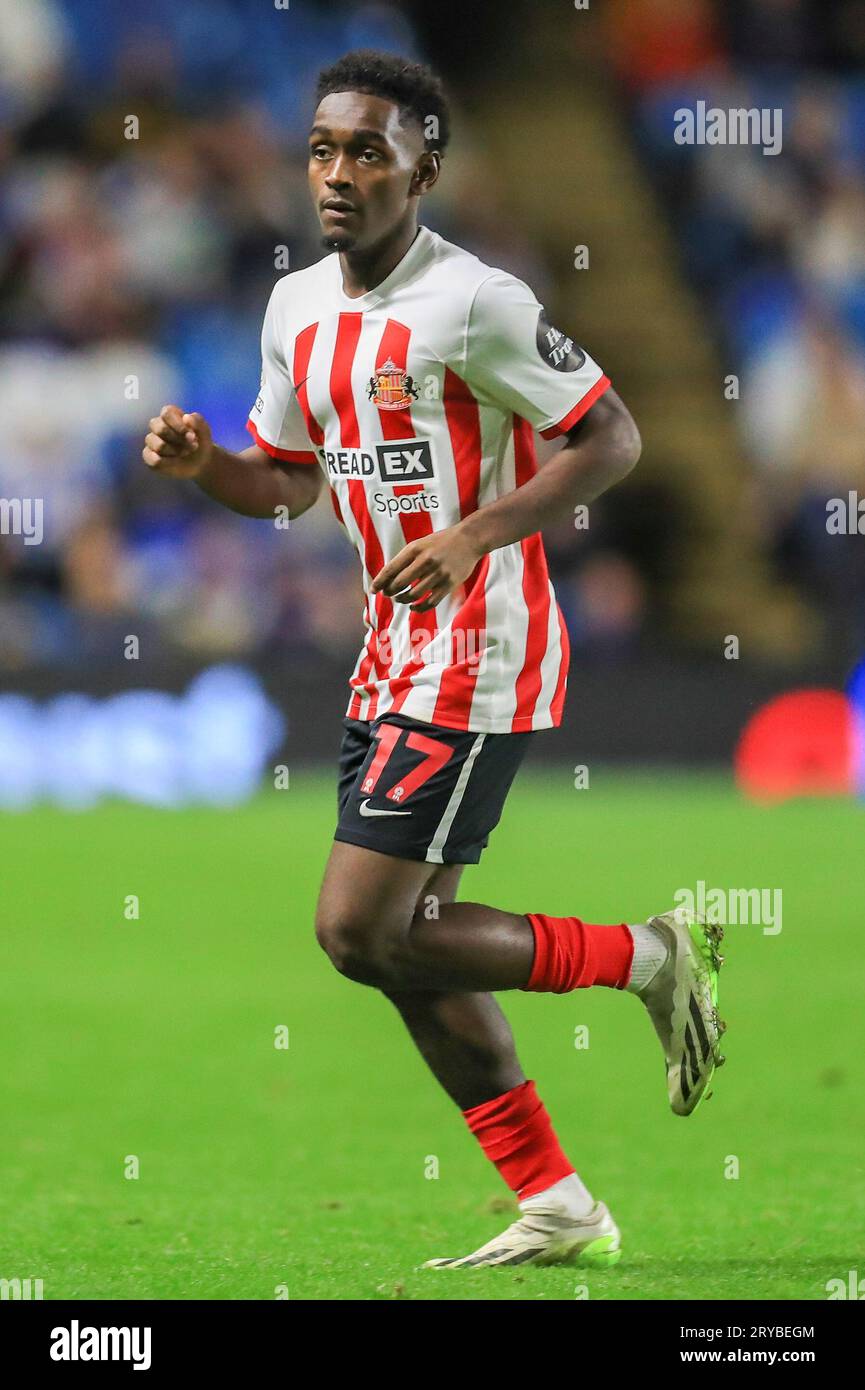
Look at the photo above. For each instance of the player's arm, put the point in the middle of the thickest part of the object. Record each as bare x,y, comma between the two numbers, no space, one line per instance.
601,449
251,482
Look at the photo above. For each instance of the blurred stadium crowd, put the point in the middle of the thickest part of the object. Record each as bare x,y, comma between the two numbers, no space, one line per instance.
136,271
776,244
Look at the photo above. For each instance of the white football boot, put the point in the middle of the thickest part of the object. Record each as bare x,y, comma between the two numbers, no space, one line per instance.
551,1237
682,1000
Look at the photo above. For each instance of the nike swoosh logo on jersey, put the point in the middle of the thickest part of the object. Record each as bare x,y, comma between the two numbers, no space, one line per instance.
366,810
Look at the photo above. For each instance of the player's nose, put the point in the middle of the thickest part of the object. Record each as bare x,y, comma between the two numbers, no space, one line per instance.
338,175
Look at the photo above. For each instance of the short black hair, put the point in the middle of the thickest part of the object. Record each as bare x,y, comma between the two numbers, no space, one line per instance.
415,88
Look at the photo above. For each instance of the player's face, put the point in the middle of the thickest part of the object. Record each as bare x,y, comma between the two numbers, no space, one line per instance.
364,166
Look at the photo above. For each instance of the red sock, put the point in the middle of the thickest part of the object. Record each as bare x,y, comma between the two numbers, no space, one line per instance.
571,954
515,1133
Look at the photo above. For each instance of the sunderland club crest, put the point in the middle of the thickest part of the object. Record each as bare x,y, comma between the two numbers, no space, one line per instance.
390,388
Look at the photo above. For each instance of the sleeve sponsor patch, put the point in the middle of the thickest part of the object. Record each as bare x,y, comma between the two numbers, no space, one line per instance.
558,351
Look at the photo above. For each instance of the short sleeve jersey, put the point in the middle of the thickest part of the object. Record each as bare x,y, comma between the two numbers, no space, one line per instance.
418,400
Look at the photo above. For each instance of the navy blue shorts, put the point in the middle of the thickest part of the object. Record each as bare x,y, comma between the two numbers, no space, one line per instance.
419,791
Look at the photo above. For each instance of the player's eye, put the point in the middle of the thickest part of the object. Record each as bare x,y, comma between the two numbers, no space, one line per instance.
319,152
372,155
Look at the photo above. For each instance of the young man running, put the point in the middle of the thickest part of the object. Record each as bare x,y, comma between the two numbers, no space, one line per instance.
411,376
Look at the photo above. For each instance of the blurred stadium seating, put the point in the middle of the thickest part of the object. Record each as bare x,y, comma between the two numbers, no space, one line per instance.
775,247
135,271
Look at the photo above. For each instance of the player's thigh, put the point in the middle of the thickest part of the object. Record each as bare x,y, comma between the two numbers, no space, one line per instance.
367,896
361,883
441,888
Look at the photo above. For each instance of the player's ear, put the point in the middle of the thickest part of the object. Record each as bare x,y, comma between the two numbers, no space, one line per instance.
426,172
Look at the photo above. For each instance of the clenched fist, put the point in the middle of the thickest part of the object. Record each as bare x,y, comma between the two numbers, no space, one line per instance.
178,445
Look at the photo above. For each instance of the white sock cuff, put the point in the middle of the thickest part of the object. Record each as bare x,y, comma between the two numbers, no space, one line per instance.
650,953
570,1194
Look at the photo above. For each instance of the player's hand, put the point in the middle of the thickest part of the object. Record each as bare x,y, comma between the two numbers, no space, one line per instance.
426,570
178,445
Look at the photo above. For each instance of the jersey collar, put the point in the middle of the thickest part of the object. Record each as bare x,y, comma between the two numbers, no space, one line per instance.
401,271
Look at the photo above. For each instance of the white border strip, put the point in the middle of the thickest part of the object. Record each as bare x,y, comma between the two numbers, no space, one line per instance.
434,853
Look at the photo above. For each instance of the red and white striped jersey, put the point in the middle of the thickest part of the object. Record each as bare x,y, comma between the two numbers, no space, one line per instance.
418,400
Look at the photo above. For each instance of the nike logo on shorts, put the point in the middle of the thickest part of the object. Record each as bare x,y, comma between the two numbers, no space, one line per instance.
366,810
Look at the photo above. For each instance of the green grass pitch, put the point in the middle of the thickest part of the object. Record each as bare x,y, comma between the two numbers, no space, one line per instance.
305,1168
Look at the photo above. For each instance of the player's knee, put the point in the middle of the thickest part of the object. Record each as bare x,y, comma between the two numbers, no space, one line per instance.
352,943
